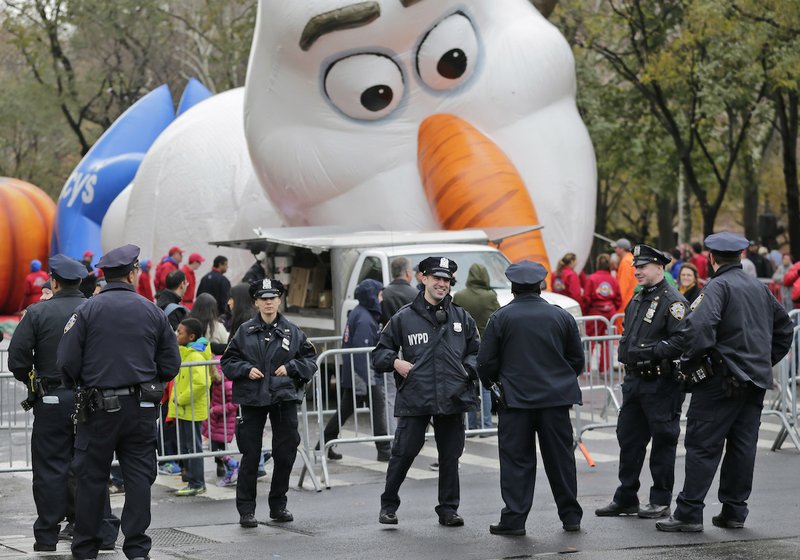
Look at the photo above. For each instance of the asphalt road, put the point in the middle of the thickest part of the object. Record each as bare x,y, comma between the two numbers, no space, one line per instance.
342,522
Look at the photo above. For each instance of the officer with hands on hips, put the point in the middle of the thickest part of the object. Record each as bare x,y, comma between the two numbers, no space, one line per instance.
738,327
652,396
432,345
269,361
32,360
118,349
533,349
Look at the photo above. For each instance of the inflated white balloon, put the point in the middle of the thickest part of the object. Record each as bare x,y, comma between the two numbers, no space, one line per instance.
195,185
337,91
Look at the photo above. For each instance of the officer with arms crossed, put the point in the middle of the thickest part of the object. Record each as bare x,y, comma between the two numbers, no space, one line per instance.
533,350
431,345
118,349
269,361
651,395
32,360
737,331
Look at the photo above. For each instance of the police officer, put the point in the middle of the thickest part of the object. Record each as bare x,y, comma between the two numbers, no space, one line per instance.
651,394
744,331
269,361
533,351
32,359
115,348
432,345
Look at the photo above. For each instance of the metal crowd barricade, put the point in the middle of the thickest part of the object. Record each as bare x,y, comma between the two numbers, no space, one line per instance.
784,405
15,451
18,423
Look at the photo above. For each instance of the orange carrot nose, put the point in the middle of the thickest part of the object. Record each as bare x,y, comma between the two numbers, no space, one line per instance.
471,183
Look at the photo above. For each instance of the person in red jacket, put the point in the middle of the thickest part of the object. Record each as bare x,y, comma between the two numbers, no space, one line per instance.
33,283
169,263
565,279
601,297
145,285
195,260
700,260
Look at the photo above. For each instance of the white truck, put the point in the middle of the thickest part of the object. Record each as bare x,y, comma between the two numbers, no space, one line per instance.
323,265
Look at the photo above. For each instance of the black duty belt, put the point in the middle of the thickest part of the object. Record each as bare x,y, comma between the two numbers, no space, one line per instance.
51,383
118,392
652,371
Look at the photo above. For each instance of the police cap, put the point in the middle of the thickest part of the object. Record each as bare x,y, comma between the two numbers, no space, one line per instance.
441,267
726,242
266,288
64,268
526,273
645,254
119,262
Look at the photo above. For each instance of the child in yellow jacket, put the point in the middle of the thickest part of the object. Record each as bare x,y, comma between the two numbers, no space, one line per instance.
188,403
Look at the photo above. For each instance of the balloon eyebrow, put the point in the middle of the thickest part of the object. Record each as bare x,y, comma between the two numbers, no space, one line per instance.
347,17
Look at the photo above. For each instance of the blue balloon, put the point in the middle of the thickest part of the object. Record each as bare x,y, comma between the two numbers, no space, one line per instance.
194,93
105,171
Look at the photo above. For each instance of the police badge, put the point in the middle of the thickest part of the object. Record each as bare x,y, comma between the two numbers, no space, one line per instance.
70,323
457,327
678,310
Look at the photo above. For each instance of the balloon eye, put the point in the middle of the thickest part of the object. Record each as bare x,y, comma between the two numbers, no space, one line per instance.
377,98
365,86
453,64
448,54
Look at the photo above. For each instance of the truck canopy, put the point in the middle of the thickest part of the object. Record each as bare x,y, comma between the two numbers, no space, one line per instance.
326,238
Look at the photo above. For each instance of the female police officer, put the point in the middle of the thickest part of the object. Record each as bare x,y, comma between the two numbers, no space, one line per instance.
269,360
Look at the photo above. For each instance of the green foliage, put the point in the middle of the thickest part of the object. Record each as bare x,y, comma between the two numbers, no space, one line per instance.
698,68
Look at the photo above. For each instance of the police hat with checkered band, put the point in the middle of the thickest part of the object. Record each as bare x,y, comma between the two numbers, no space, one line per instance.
266,288
441,267
645,254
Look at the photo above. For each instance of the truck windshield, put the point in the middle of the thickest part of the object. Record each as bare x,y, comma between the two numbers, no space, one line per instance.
495,263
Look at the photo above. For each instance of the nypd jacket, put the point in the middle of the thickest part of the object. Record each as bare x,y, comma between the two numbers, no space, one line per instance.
654,321
442,380
737,315
535,350
267,347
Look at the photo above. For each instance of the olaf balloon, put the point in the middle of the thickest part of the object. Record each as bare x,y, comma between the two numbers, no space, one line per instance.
406,113
421,114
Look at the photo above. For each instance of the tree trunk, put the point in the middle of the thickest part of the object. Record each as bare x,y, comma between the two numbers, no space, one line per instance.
684,210
750,195
666,215
787,123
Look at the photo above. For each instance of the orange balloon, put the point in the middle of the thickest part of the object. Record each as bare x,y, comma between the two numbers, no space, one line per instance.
26,223
471,183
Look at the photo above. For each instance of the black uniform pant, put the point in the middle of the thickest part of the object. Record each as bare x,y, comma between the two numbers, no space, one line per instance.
516,433
285,439
52,448
408,441
348,407
650,411
131,433
715,421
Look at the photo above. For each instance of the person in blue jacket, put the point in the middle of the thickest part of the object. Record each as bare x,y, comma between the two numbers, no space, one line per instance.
359,383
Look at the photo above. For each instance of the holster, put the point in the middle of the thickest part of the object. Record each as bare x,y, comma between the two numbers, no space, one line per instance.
696,370
498,396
